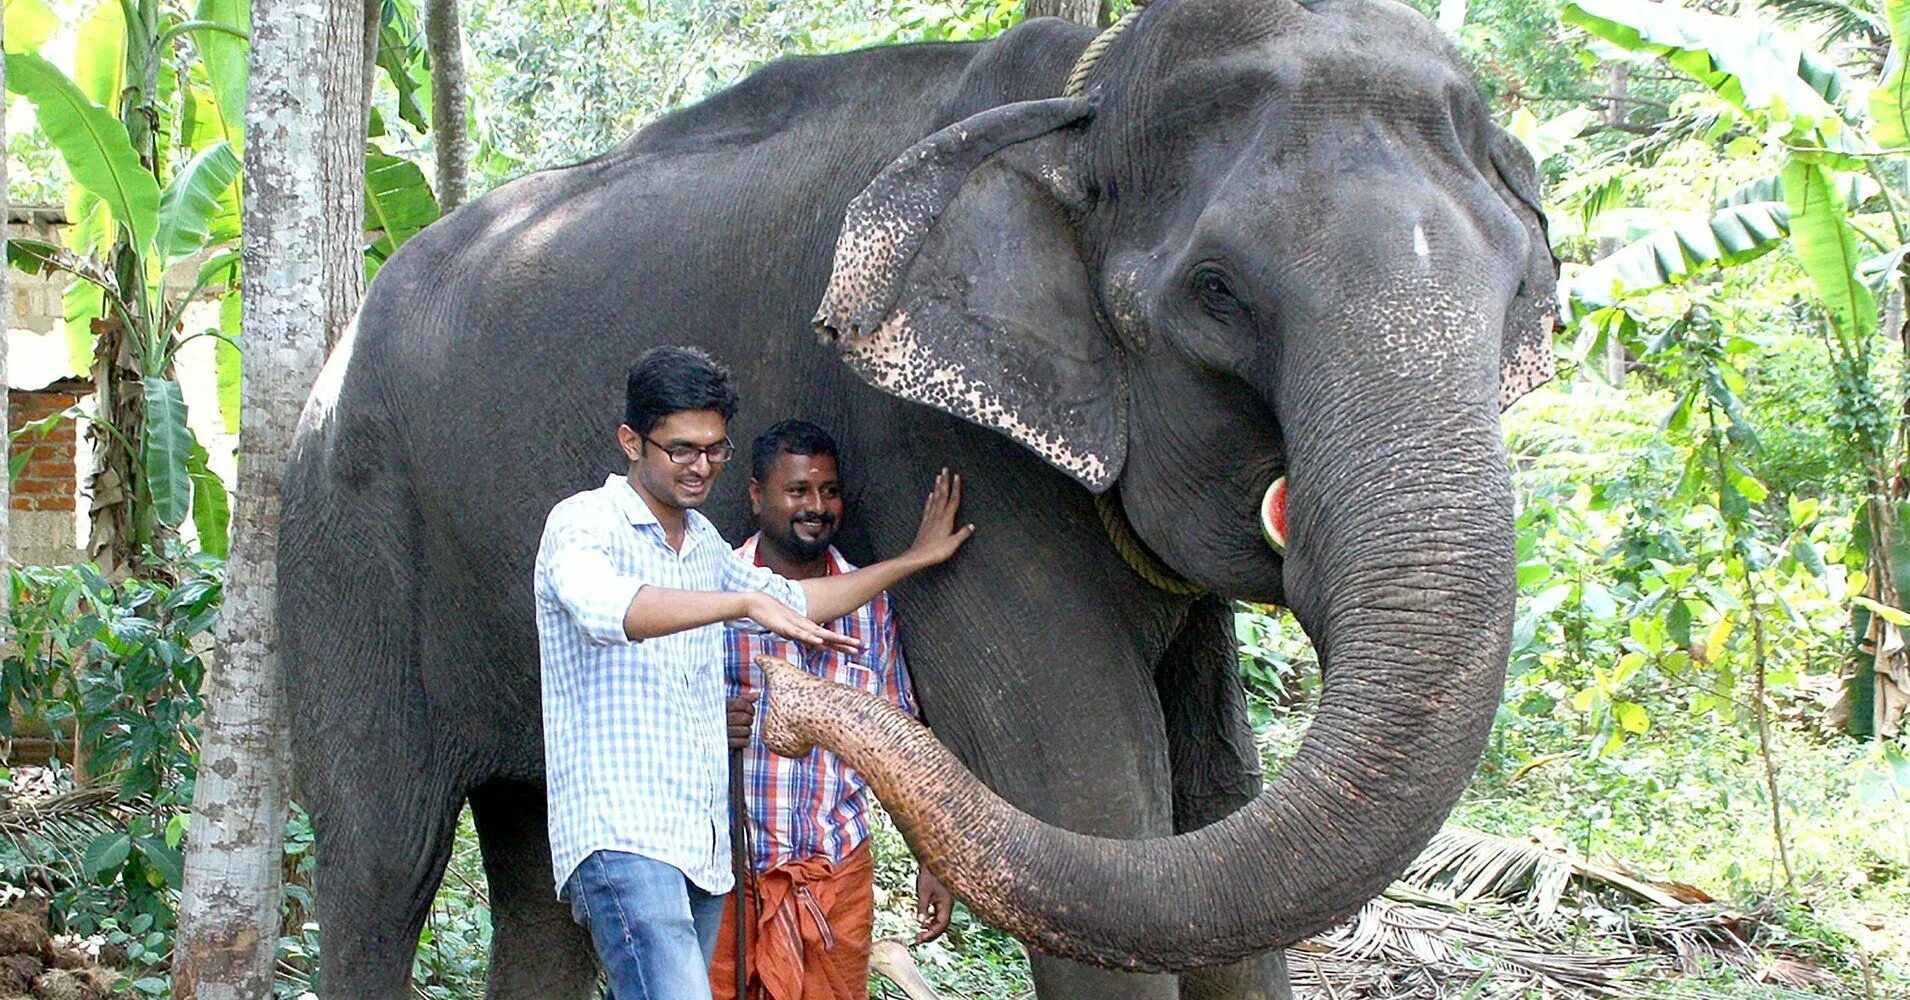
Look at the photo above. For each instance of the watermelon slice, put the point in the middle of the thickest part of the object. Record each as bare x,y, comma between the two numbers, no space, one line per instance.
1273,515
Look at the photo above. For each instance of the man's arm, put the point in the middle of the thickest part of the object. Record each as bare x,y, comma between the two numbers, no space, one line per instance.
659,611
831,597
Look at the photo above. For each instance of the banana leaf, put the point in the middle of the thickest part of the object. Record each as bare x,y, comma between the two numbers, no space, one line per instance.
192,199
29,23
91,141
1673,254
1826,246
1890,102
165,447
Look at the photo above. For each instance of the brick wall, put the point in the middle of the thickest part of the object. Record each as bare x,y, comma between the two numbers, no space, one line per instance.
47,482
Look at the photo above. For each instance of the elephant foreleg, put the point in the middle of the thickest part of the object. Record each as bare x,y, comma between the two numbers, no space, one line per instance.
1215,767
537,950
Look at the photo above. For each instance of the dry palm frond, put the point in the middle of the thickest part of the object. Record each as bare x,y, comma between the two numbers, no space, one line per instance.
1471,866
51,834
1444,948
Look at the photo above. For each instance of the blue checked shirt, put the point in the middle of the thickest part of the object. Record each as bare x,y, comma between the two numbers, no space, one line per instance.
634,738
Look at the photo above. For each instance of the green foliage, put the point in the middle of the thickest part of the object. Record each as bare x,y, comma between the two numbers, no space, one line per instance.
113,671
91,141
564,81
398,203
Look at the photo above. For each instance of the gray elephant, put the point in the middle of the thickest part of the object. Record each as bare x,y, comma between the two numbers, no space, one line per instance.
1271,242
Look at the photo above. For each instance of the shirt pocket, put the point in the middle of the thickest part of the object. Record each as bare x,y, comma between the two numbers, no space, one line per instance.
857,676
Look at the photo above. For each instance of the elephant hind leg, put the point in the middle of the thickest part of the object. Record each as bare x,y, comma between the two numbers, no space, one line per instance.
537,951
1216,768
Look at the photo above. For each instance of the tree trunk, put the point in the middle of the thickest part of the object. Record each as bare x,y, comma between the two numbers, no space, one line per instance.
342,151
306,98
6,396
444,40
1093,13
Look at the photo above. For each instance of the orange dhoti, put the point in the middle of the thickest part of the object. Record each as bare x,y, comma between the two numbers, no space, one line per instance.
810,937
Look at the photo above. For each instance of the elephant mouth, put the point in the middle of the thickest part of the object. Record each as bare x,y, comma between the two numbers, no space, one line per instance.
1273,515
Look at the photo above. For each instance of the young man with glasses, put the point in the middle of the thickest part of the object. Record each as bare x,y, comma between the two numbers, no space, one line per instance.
633,586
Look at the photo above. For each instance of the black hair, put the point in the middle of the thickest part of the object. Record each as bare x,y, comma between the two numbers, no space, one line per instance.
788,437
667,380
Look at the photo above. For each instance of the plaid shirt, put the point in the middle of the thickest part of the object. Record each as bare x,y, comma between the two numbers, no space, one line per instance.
635,746
817,805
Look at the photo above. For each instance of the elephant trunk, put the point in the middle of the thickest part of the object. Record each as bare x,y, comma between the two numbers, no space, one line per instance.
1400,567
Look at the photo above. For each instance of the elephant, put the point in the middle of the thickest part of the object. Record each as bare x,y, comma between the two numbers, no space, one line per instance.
1270,243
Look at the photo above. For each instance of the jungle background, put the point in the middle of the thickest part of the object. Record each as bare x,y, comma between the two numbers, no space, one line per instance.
1699,783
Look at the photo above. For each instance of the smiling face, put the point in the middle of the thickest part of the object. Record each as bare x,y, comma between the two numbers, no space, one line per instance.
798,505
662,481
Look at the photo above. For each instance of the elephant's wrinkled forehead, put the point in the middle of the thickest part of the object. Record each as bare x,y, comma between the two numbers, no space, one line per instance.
1194,67
1347,70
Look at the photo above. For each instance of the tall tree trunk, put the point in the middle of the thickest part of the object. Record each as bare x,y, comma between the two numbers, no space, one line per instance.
306,102
444,40
348,88
6,397
1093,13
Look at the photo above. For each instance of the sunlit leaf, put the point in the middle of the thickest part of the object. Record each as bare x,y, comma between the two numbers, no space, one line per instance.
29,23
226,358
211,508
1753,64
99,56
1827,248
1892,615
398,202
92,142
191,199
1890,102
1673,254
225,62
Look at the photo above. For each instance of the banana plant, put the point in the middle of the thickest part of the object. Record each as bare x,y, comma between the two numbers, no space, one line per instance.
137,207
1830,196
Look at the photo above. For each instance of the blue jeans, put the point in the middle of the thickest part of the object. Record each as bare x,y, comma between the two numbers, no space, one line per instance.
654,930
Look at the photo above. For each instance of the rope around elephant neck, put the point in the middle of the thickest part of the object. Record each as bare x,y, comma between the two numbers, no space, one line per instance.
1134,552
1091,56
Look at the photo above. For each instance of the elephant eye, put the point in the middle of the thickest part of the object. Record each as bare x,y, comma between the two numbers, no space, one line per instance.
1216,294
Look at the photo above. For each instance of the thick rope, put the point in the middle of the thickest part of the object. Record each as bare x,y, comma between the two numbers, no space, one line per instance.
1091,56
1143,562
1135,552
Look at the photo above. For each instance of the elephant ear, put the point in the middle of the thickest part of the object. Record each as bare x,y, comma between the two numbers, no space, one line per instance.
957,284
1525,361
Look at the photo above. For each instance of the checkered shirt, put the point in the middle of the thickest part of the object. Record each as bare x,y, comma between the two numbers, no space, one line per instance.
817,805
635,747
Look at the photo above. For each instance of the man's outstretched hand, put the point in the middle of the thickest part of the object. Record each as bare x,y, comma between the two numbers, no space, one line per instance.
938,537
783,620
934,904
741,714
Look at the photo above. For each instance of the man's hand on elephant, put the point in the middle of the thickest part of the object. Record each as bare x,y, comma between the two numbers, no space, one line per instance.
741,713
783,620
933,905
938,537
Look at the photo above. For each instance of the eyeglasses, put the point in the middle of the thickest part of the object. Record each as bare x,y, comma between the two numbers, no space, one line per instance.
685,454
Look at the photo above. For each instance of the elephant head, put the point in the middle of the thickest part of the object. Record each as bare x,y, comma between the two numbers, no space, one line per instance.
1271,239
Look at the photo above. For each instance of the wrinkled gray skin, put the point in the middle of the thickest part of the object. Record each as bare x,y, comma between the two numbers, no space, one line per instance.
1273,239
